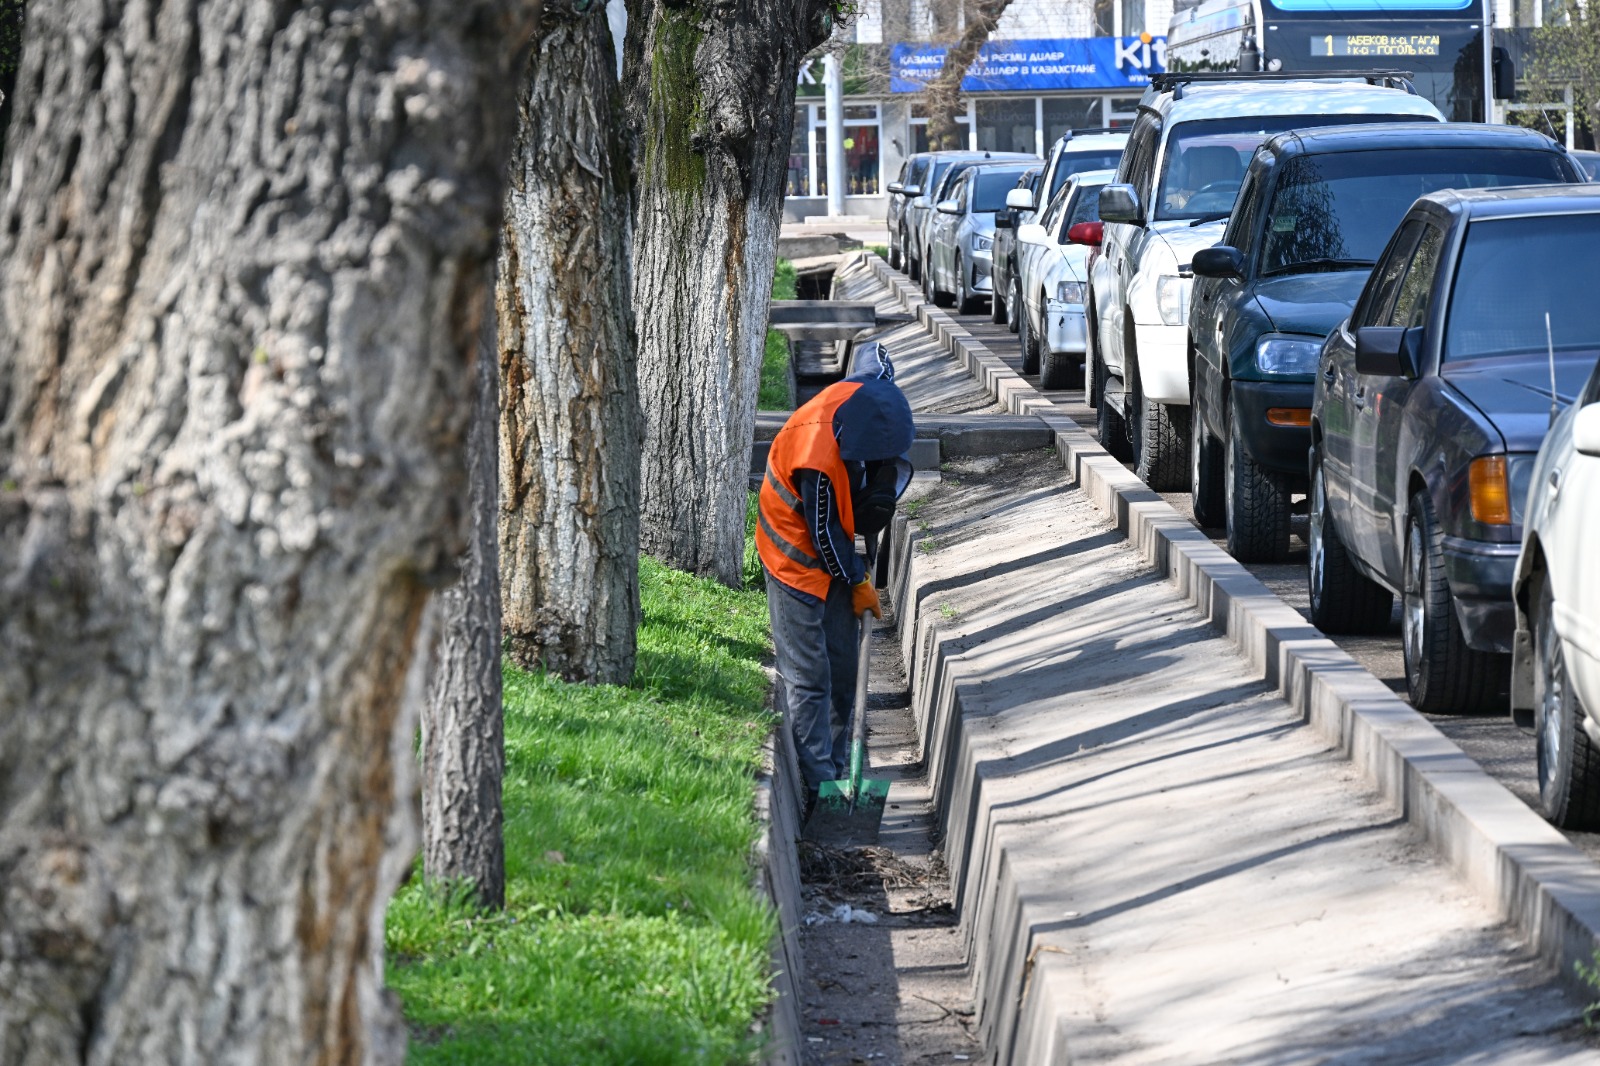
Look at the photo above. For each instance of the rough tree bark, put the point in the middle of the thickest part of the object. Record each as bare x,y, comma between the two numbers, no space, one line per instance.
246,246
942,96
570,420
463,736
710,91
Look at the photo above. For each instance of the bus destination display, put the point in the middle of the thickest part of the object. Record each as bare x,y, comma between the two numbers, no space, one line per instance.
1375,44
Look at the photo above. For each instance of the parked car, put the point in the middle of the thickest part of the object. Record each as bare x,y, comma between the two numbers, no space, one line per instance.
905,188
1176,184
961,235
1590,162
1005,245
1075,152
1555,664
1053,279
922,228
914,216
1431,402
1315,209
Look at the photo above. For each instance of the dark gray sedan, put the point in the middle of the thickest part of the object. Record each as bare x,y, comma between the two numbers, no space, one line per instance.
1431,401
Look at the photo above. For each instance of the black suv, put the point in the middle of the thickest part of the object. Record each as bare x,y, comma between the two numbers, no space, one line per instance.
1316,208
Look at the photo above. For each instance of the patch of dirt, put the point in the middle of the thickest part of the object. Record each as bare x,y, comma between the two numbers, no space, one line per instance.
890,984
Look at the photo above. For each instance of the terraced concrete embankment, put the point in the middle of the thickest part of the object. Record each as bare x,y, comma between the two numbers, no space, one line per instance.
1181,825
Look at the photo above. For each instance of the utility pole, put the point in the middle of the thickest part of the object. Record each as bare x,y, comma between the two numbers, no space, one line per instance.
833,96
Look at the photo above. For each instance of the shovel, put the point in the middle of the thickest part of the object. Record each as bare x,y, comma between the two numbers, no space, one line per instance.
848,812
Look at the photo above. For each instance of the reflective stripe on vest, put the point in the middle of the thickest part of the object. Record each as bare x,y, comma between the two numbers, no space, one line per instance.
783,537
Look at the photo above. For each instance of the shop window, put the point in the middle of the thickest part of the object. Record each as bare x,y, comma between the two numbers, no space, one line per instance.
919,128
1006,125
1065,113
799,181
862,161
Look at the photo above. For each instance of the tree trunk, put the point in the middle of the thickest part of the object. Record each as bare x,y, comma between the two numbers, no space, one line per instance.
942,97
570,420
463,738
246,249
711,95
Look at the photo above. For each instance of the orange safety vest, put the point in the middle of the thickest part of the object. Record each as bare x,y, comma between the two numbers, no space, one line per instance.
783,536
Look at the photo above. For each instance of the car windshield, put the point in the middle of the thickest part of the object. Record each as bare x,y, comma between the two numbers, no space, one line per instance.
1515,271
1338,210
990,187
1082,162
1205,160
934,177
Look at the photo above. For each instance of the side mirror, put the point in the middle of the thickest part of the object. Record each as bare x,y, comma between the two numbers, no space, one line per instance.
1586,430
896,187
1002,220
1088,233
1218,261
948,207
1119,203
1021,199
1033,233
910,190
1388,351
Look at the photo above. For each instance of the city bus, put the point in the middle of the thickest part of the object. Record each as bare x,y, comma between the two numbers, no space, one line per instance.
1439,41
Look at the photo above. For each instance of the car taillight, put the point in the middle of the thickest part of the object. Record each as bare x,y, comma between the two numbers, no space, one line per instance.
1489,490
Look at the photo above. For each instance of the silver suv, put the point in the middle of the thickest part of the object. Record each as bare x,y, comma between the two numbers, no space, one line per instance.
1175,188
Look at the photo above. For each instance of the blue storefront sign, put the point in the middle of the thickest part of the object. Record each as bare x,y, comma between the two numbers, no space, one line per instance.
1017,66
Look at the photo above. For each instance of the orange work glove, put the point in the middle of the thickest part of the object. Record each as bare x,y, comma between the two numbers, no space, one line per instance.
864,598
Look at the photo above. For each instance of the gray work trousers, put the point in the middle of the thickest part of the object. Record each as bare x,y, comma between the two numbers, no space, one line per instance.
817,650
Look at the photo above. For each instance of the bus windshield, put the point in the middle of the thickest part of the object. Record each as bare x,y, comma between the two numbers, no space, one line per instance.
1204,160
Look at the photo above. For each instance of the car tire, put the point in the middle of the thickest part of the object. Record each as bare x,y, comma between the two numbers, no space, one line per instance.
1443,674
1257,504
1110,426
997,305
1207,483
1028,343
1091,356
1343,600
1059,370
1569,761
927,284
896,258
913,268
1160,434
1014,305
966,302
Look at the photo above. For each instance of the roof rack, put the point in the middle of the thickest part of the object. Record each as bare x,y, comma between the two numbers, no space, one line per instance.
1095,129
1394,79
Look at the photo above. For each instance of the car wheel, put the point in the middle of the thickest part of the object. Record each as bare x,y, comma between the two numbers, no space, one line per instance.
1343,600
997,305
1160,443
1443,674
1206,481
895,261
1569,762
1109,425
1059,370
1014,305
1028,342
1257,504
927,283
966,303
1091,356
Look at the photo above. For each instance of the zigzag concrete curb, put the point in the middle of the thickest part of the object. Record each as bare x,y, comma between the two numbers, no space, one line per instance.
1539,883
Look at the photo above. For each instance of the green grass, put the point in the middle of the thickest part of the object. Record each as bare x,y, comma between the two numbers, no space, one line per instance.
774,394
632,932
880,250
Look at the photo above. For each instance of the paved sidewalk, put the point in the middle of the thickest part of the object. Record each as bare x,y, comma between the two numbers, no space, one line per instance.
1155,859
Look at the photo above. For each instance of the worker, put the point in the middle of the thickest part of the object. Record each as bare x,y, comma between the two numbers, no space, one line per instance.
835,469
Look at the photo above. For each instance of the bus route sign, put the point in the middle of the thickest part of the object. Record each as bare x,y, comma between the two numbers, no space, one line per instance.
1375,45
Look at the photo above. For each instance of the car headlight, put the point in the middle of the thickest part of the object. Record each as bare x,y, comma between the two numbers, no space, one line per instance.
1172,299
1279,354
1070,292
980,243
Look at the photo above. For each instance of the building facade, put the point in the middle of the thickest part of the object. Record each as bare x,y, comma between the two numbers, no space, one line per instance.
1050,66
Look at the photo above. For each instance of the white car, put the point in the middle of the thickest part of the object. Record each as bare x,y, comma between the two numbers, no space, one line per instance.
1174,190
1555,663
1052,279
